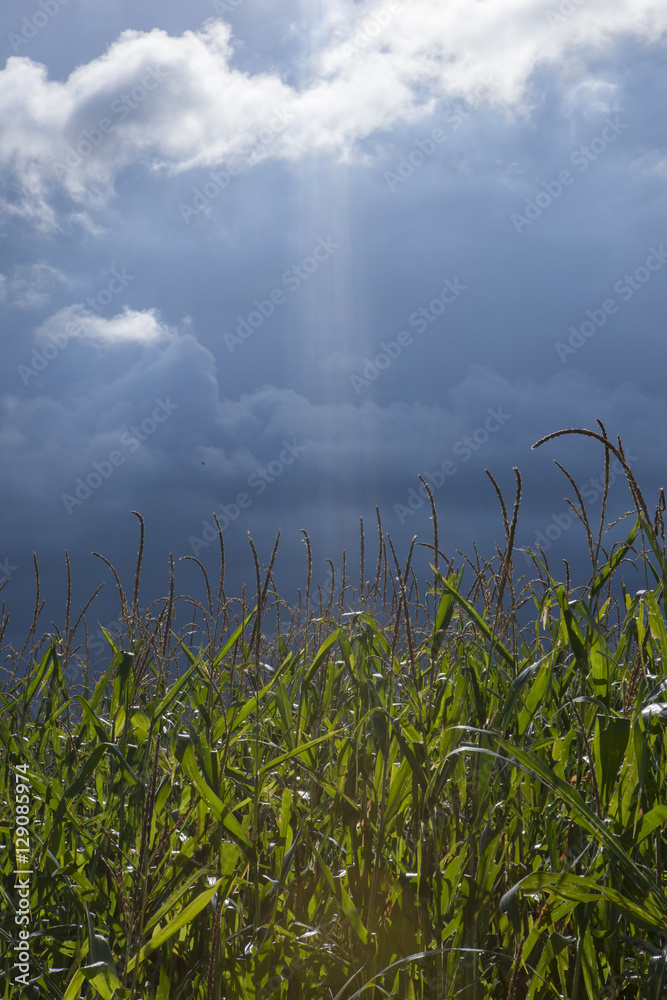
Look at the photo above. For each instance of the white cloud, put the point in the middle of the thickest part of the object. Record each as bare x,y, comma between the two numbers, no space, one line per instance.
28,285
179,102
130,326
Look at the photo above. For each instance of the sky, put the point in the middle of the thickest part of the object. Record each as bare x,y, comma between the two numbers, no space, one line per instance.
276,260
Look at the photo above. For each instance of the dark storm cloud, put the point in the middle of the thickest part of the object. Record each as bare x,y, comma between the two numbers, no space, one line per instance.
362,266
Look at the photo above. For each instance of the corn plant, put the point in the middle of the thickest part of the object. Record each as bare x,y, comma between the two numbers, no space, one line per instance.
402,795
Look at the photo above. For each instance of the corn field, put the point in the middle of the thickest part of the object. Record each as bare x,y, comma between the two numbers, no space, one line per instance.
402,794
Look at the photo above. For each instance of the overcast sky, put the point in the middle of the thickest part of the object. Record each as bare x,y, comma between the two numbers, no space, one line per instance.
276,260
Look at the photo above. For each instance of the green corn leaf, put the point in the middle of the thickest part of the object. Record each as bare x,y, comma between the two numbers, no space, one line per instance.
483,627
319,657
610,741
231,642
616,558
73,991
185,916
580,812
581,889
338,890
217,807
600,660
